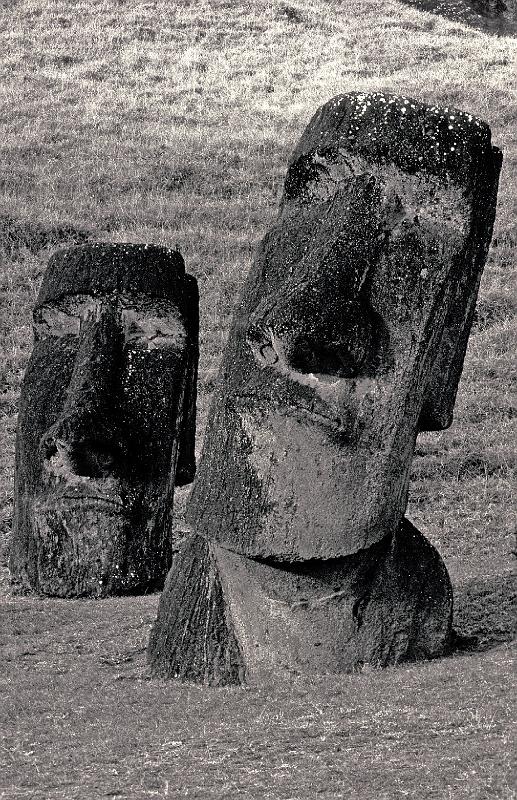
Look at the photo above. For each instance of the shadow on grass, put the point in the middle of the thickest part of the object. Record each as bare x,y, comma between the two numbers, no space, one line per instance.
486,610
16,235
497,17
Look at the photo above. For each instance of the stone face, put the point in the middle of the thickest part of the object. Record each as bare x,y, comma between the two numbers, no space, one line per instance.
351,331
348,340
107,421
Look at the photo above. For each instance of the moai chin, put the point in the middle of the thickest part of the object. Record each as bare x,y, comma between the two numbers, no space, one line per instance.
107,421
348,341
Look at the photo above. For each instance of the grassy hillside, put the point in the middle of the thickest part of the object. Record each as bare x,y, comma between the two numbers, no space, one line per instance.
171,122
498,17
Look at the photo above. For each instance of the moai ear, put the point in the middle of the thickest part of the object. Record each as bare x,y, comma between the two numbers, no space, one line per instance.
437,410
186,464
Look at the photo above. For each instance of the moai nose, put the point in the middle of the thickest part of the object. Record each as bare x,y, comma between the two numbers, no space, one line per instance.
335,339
336,344
85,439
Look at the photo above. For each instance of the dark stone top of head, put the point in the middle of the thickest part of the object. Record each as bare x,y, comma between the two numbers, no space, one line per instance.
385,128
107,269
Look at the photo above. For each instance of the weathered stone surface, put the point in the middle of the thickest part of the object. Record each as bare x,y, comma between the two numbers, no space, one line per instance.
348,340
226,618
107,421
193,637
351,331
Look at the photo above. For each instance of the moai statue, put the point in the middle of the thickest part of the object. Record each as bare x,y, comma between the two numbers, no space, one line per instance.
107,421
348,341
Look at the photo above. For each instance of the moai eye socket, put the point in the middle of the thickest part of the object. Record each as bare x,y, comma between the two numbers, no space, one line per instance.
63,317
305,171
155,332
152,323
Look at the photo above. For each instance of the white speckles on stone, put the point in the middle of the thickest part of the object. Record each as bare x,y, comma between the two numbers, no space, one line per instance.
448,132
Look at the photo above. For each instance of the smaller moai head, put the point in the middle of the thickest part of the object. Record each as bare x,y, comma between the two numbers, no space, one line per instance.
107,420
351,331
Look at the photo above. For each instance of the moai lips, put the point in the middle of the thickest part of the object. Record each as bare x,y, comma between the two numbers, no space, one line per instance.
348,340
107,421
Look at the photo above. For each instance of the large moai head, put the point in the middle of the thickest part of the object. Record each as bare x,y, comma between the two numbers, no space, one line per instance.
351,331
107,420
348,340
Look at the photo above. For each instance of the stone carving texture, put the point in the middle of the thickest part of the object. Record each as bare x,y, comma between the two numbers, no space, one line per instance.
107,421
348,340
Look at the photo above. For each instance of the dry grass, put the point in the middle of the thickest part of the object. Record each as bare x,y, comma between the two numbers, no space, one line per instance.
86,722
172,123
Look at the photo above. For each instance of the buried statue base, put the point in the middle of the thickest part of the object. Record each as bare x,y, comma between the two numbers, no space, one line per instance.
248,620
347,342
